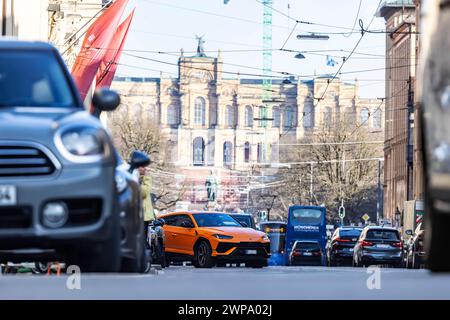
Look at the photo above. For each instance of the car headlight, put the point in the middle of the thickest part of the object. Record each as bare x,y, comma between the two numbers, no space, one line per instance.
121,181
222,236
82,141
265,238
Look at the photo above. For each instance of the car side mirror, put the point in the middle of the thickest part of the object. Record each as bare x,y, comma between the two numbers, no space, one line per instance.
159,223
105,99
409,232
138,159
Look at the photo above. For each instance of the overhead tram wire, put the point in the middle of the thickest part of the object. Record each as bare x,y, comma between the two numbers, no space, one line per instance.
346,60
354,23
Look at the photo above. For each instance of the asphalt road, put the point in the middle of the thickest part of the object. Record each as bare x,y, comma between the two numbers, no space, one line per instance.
188,283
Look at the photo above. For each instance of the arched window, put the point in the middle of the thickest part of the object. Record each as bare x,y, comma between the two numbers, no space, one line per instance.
230,116
364,117
227,153
377,118
247,152
248,116
308,116
327,116
276,117
199,111
199,151
172,115
261,153
151,112
288,117
137,111
350,118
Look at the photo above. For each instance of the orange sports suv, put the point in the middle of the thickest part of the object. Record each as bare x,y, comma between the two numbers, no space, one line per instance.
212,238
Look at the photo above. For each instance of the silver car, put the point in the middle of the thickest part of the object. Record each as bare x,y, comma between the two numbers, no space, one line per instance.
57,166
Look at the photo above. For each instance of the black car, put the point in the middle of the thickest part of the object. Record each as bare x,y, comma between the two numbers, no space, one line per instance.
156,240
414,250
245,219
340,247
378,246
133,245
306,253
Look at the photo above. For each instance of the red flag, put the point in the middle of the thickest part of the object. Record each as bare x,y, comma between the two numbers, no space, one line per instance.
108,66
97,38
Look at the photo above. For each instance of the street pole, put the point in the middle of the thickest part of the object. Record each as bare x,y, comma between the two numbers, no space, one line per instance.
311,186
379,192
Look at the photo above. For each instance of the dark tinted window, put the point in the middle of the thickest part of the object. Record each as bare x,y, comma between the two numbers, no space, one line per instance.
306,216
246,219
215,220
32,79
183,219
351,233
171,220
307,245
382,235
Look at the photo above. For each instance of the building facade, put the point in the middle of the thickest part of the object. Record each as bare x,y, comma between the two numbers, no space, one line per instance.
401,40
216,123
61,22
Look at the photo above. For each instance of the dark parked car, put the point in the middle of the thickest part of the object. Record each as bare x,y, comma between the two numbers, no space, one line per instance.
58,196
340,247
306,253
133,245
245,219
378,246
156,242
414,250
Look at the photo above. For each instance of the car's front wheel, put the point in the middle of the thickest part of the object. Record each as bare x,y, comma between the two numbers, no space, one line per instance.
203,255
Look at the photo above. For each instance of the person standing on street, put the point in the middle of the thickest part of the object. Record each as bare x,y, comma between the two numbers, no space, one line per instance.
147,206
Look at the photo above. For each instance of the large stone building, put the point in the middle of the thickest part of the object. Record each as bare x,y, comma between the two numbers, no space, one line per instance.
213,122
399,151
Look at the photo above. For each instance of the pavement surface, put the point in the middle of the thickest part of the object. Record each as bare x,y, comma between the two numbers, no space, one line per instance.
236,283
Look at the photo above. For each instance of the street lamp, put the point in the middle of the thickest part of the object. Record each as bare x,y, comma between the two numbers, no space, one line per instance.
299,56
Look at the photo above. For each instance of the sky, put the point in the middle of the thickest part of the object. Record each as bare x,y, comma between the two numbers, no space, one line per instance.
236,29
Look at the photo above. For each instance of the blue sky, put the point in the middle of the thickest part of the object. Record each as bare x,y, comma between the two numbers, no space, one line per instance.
169,25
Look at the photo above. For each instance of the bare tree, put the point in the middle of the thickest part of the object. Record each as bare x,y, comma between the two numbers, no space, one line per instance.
336,177
143,134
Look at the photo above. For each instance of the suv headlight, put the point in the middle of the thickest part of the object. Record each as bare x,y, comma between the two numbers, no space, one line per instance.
222,236
121,181
80,143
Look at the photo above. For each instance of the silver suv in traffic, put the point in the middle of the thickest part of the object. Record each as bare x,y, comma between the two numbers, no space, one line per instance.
57,165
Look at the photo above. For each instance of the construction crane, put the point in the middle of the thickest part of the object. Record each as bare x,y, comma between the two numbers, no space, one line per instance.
266,71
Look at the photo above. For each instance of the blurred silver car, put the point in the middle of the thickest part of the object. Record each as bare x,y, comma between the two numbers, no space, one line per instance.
58,197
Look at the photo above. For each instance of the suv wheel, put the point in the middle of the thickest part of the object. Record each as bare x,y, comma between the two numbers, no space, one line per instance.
437,240
203,258
105,257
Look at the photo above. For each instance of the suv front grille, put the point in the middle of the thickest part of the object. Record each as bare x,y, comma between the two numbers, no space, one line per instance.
24,161
225,246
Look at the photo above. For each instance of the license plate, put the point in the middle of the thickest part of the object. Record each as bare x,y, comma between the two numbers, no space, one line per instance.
307,253
8,196
383,246
251,251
